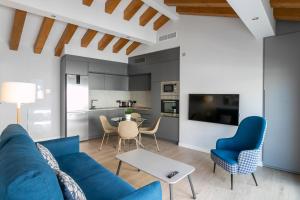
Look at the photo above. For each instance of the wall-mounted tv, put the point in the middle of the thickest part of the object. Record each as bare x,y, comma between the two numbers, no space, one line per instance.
215,108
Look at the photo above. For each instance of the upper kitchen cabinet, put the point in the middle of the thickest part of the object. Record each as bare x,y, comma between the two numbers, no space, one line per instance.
140,82
74,65
116,82
96,81
107,67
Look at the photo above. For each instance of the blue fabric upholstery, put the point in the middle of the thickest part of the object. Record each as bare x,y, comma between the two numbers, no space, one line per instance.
148,192
95,181
240,154
24,174
9,132
63,146
230,156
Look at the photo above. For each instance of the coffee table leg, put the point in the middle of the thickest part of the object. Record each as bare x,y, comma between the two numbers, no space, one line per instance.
192,187
119,166
171,191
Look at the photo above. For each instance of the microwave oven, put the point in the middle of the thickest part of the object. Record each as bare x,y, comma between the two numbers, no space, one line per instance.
170,88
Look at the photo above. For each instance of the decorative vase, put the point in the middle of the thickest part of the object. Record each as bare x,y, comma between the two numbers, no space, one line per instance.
128,117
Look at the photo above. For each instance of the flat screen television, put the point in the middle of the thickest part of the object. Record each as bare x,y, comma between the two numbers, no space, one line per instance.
215,108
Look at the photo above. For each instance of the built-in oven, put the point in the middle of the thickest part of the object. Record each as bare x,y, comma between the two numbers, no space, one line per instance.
169,106
170,88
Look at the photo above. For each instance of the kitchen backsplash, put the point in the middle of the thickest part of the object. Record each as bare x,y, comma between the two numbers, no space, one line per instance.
108,98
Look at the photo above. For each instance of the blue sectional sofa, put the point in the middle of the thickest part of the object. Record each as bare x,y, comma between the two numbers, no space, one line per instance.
24,174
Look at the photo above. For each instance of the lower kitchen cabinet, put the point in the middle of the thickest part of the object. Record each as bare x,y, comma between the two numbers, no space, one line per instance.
95,127
169,129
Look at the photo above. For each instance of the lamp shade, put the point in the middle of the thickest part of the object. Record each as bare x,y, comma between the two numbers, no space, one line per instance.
18,92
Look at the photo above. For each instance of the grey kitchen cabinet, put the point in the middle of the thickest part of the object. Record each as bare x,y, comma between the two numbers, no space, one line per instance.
96,81
107,67
77,67
169,129
140,82
116,82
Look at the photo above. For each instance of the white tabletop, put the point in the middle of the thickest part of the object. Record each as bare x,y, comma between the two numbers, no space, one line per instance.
156,165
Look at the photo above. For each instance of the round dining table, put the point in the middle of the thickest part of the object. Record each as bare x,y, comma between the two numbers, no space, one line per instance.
139,121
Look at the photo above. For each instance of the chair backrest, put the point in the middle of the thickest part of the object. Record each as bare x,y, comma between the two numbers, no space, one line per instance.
155,128
128,129
135,115
105,123
250,133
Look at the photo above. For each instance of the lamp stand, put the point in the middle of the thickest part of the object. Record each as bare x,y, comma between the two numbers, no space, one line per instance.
18,113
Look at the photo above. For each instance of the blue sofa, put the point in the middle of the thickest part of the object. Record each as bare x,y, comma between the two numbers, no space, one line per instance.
24,174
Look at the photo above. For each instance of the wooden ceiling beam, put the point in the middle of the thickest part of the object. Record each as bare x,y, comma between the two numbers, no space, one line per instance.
43,35
110,5
291,14
119,45
160,22
198,3
147,16
132,47
285,3
132,8
105,40
88,37
17,29
87,2
65,38
221,12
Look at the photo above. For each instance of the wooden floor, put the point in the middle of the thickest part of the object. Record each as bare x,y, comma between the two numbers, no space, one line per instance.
273,184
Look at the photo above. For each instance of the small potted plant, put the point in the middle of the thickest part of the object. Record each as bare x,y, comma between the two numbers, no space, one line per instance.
128,114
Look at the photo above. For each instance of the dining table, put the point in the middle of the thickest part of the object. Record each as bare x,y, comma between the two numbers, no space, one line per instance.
139,121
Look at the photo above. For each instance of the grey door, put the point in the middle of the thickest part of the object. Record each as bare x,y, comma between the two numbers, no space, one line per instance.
282,102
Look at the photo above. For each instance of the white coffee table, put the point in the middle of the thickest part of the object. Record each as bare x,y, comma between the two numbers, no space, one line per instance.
157,166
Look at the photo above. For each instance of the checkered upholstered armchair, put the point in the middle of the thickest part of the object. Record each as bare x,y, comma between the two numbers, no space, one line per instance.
240,154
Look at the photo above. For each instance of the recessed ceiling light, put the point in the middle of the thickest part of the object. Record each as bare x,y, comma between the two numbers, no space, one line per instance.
255,18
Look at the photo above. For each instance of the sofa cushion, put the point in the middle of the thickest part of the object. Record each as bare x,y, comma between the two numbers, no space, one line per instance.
69,187
148,192
95,181
24,174
9,132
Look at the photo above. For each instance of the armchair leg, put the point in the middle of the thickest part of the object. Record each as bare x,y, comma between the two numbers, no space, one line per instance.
214,167
254,179
231,181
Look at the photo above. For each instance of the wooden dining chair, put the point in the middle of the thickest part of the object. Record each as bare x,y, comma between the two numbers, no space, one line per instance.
150,131
128,130
135,116
107,128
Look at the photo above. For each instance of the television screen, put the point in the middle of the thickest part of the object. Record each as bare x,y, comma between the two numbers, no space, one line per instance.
216,108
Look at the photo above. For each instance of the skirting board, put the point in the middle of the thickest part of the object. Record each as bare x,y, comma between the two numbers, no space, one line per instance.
193,147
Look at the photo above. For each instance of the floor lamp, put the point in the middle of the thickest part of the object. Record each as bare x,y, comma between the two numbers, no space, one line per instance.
18,93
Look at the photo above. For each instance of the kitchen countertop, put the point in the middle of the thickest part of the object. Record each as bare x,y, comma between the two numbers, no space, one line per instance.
116,108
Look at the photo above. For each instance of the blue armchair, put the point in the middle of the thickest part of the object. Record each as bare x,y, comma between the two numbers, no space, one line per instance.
240,154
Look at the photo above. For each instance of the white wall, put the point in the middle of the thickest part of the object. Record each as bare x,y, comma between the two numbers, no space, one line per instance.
221,57
41,119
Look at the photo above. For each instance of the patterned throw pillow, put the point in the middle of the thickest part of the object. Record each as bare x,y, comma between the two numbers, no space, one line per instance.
48,156
69,187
